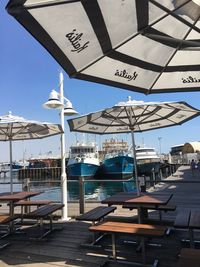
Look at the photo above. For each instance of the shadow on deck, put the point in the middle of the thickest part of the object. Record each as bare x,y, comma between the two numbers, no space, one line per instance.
62,248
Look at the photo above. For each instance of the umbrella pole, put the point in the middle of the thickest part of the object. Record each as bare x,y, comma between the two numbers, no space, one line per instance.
11,177
135,164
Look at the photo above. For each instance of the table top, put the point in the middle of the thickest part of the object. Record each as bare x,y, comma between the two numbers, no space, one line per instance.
133,198
18,195
150,200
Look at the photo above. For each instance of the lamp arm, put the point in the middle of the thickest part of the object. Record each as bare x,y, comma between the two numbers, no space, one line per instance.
66,99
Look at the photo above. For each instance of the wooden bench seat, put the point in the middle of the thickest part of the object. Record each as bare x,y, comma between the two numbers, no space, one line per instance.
189,257
160,208
141,230
32,202
188,219
4,220
182,219
42,213
27,204
95,215
152,207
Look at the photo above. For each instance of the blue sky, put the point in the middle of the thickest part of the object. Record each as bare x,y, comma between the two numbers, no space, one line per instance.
27,75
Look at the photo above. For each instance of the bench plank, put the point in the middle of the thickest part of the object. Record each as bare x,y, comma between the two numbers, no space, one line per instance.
96,214
195,219
32,202
153,207
7,218
182,219
4,219
43,211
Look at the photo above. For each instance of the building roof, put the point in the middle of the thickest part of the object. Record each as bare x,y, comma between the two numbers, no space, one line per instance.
191,147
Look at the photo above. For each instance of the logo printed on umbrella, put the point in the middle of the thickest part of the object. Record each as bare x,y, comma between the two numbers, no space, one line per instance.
75,39
79,122
180,116
126,75
93,128
154,124
122,129
191,79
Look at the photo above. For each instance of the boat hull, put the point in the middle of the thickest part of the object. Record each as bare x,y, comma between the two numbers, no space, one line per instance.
80,169
119,167
147,168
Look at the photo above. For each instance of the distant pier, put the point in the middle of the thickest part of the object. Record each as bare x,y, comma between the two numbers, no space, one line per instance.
39,173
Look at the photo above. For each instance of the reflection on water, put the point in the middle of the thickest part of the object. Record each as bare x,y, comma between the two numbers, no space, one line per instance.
94,190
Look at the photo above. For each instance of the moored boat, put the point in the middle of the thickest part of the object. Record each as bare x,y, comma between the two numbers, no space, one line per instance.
147,160
83,161
120,164
118,167
117,162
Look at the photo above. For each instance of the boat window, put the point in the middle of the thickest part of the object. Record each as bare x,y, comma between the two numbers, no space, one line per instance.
146,150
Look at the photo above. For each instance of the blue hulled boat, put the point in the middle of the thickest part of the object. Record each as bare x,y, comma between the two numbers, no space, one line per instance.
117,162
118,167
83,161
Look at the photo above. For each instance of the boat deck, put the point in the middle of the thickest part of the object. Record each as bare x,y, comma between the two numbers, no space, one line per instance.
62,248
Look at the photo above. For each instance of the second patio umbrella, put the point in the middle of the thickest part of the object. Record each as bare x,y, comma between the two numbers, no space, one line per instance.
14,128
134,116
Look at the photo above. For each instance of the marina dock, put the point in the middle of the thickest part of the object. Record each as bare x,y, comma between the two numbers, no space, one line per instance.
62,248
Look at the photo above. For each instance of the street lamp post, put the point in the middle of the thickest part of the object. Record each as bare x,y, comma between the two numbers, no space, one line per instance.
57,101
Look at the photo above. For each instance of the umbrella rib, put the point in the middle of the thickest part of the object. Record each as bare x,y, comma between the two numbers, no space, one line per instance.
19,131
87,121
47,4
117,119
174,14
93,121
137,117
169,60
167,116
4,132
109,48
149,114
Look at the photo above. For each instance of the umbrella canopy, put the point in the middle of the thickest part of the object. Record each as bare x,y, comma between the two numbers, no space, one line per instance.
134,116
149,46
14,128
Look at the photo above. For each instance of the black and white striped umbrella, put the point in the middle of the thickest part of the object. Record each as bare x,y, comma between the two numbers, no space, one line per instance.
13,128
148,46
134,116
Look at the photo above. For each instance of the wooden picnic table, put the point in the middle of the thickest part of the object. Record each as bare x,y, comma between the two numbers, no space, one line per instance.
193,224
142,202
11,198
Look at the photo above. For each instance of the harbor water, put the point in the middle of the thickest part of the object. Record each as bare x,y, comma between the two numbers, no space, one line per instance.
94,189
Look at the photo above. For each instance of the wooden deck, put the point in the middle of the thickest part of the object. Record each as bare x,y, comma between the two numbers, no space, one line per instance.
62,248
